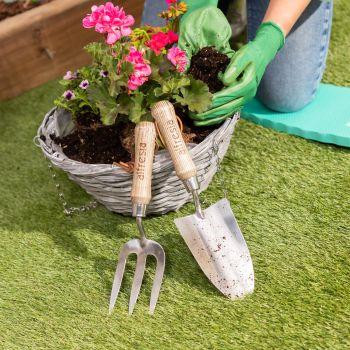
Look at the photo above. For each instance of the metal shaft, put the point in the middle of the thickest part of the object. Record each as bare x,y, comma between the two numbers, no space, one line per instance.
139,223
197,204
192,186
139,211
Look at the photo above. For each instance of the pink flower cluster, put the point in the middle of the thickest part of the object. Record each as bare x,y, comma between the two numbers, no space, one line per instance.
141,69
109,19
169,2
160,40
178,58
70,75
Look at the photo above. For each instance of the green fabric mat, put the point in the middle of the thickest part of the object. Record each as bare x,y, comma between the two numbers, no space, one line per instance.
326,119
290,197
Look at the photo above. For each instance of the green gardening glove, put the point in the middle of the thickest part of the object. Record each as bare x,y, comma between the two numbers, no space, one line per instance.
247,65
206,26
196,4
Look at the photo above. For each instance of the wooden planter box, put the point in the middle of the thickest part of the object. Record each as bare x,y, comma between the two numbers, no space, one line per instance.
43,43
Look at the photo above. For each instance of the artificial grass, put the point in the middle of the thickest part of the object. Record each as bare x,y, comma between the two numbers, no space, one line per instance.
290,196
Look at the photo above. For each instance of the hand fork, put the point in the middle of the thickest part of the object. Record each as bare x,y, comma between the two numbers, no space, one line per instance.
145,135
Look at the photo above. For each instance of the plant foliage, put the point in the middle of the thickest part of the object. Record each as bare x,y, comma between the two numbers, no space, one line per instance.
131,72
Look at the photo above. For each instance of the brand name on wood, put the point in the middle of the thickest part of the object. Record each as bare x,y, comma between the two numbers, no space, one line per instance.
140,170
173,129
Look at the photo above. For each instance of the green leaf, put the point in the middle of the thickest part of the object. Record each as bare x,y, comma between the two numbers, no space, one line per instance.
127,67
124,103
97,50
152,57
114,89
65,83
147,117
83,103
196,96
173,85
106,104
155,74
108,116
158,92
62,104
136,109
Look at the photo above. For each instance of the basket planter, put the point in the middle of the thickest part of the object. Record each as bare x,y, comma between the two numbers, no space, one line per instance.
43,43
111,186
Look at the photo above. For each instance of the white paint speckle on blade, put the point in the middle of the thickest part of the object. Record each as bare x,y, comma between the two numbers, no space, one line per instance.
219,247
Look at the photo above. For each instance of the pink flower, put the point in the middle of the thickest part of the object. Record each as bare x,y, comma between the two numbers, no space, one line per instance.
109,19
140,75
70,75
172,37
136,80
134,56
69,95
158,42
141,69
84,84
178,58
169,2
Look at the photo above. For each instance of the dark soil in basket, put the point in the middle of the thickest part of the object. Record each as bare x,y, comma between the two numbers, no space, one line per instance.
206,65
94,143
9,10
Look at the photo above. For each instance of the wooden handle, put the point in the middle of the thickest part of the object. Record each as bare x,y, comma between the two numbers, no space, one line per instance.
164,114
145,137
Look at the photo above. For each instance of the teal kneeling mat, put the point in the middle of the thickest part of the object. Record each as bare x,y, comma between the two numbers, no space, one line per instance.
325,119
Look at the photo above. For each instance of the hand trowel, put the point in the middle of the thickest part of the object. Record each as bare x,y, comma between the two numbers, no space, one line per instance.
212,234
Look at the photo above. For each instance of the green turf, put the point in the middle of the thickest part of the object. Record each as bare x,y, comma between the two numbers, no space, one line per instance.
290,196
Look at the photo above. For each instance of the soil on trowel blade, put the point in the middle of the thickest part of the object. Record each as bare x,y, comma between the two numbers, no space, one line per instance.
206,65
9,10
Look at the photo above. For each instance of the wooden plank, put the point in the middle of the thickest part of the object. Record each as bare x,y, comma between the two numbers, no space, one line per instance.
42,44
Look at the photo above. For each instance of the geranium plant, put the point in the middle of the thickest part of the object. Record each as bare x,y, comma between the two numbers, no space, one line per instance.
132,69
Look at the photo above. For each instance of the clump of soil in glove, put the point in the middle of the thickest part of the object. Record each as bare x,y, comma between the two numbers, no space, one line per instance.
206,65
15,8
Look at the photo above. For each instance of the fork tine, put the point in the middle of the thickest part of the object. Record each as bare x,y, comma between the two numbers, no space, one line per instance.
137,281
118,278
158,277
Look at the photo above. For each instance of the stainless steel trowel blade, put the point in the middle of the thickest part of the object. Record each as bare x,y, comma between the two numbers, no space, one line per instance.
219,247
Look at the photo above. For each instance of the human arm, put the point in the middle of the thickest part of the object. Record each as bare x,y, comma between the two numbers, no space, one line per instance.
285,13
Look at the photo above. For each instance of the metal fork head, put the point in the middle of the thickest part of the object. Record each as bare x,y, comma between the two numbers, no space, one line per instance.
142,248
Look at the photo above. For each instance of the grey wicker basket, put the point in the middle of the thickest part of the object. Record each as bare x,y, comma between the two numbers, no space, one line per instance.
111,186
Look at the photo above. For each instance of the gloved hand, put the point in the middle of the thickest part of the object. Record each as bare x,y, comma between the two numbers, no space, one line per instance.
208,26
